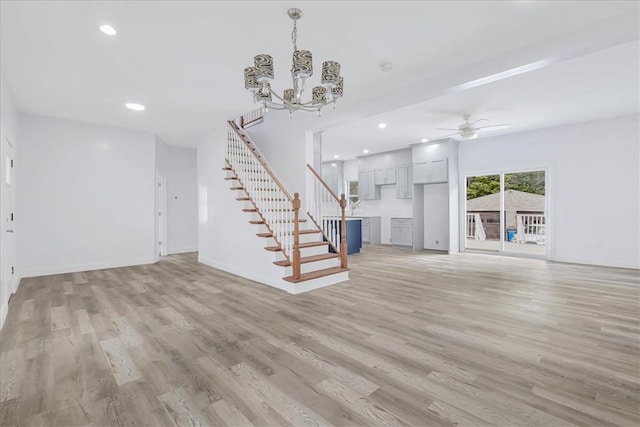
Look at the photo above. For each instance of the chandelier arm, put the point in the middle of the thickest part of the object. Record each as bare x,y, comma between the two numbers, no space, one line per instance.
275,106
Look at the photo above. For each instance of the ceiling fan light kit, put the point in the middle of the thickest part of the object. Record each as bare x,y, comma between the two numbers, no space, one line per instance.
257,79
468,130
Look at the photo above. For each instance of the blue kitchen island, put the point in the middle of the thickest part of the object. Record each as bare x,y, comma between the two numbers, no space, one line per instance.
354,234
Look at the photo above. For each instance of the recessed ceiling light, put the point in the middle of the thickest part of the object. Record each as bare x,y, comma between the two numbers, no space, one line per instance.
336,156
108,29
382,125
134,107
365,151
424,140
334,165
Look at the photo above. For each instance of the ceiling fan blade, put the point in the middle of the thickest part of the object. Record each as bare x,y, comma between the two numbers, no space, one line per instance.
446,129
479,120
494,127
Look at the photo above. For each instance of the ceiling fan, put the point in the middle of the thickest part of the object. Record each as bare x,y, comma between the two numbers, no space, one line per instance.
469,130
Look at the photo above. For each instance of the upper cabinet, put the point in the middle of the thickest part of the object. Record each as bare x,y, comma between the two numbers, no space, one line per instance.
430,172
332,174
431,161
367,189
385,176
404,186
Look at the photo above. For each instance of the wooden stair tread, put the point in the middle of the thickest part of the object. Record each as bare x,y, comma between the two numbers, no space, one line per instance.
231,178
228,168
256,222
237,188
314,244
302,245
305,260
243,199
250,210
316,274
301,232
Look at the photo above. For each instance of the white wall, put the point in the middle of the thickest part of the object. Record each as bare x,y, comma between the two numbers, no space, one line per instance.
8,129
86,196
179,167
283,143
226,239
594,184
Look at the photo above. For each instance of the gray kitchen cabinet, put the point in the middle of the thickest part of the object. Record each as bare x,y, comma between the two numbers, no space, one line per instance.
371,230
385,176
430,172
367,186
402,232
404,184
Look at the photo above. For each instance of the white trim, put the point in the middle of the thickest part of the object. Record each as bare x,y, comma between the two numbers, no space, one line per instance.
292,288
4,310
88,267
248,274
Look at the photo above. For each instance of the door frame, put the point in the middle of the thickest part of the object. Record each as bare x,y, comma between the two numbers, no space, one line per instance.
8,278
547,209
161,215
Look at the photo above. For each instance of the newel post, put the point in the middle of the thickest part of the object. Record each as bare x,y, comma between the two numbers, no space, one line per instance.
343,233
296,236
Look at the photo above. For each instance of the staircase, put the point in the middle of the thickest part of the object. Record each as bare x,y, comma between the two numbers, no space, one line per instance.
307,257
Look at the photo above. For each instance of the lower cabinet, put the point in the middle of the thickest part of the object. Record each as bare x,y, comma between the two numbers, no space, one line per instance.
371,230
402,232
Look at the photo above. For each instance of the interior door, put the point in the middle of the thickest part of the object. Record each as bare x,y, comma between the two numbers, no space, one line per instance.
7,260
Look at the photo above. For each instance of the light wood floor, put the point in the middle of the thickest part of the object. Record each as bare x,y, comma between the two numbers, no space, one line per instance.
412,339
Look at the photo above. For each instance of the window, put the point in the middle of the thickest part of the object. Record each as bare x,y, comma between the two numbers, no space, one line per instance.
353,191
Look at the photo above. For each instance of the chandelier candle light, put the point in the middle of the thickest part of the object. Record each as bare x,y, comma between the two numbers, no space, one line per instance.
257,79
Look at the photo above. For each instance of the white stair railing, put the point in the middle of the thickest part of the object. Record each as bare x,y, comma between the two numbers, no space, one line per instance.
327,211
530,228
274,204
251,118
475,229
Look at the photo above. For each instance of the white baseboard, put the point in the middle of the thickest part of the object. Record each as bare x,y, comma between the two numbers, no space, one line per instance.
4,310
279,283
87,267
249,274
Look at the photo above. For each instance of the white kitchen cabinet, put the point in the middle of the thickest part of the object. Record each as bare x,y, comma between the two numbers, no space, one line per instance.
404,184
402,232
385,176
367,186
371,230
430,172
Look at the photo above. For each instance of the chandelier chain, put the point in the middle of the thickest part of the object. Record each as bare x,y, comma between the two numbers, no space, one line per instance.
294,36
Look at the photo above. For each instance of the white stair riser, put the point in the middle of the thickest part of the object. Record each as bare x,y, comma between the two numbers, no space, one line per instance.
314,266
304,238
320,282
305,252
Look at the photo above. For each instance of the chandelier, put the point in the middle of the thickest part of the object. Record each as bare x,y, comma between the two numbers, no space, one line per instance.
257,79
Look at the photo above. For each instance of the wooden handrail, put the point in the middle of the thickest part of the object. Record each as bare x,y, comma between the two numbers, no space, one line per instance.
335,196
260,160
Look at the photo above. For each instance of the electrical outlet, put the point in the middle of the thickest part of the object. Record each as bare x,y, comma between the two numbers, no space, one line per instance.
437,242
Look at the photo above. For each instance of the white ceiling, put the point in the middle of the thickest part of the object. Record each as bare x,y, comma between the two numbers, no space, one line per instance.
598,85
184,60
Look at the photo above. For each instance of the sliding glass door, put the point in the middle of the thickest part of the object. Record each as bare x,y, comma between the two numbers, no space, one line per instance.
507,212
483,223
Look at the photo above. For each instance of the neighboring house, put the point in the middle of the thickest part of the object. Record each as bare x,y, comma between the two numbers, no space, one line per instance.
517,204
